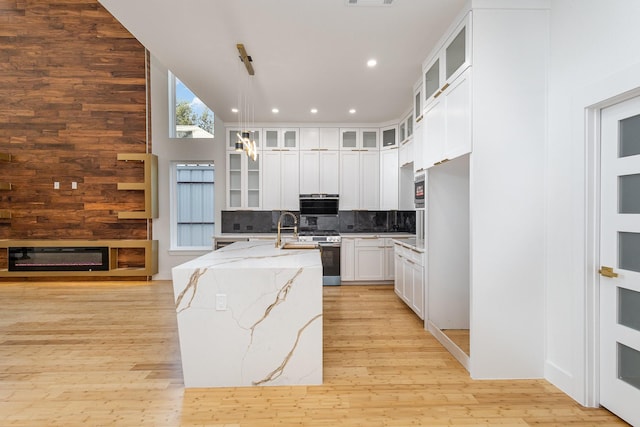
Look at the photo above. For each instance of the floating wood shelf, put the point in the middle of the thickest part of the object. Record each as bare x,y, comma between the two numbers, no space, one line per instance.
5,157
149,268
149,186
5,186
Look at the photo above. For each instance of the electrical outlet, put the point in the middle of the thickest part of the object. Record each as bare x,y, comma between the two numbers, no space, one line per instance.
74,185
56,185
221,302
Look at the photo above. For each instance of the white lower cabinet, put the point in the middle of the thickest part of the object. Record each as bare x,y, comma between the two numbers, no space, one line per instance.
367,259
409,278
347,259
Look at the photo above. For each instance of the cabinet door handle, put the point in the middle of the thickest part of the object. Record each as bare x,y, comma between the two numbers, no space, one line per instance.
418,118
411,262
444,87
319,149
437,94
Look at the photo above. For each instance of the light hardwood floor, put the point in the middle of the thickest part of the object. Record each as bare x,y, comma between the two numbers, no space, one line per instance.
107,354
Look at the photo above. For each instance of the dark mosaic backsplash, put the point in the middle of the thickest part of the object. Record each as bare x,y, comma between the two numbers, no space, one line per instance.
347,222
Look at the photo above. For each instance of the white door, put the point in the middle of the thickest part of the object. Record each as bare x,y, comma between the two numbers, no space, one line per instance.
620,260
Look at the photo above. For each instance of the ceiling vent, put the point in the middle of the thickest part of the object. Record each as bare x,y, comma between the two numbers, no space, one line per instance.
369,2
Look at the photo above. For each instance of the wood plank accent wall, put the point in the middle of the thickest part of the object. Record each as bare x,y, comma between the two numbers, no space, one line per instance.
73,95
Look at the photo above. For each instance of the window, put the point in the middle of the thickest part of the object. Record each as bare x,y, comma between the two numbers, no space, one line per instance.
193,205
189,117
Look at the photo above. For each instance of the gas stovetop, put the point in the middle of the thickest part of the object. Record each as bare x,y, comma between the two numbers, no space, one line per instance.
319,236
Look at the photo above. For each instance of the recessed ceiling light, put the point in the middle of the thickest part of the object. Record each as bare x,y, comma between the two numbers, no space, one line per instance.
314,110
275,110
234,110
352,111
372,63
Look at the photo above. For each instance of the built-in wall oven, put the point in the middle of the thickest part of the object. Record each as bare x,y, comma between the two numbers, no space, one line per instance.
419,190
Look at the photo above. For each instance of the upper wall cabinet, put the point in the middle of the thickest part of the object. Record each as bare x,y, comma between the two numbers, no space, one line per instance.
281,139
232,134
390,137
319,139
441,69
359,139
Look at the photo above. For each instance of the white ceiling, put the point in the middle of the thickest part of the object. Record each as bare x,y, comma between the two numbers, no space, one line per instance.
306,53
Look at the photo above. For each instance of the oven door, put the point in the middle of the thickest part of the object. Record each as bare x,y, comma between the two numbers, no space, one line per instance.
330,255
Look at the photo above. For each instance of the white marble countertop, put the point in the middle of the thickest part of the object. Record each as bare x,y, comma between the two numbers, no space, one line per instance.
412,243
256,254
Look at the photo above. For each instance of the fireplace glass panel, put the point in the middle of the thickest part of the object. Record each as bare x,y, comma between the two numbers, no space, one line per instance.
59,258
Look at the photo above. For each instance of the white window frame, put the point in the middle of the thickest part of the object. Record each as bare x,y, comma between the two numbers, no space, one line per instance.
173,200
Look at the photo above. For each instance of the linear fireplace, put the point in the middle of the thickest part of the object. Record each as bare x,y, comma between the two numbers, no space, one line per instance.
59,258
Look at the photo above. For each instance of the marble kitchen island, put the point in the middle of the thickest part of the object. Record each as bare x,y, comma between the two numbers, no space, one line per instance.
250,314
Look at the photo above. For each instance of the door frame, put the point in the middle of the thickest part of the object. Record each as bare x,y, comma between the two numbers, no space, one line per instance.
592,100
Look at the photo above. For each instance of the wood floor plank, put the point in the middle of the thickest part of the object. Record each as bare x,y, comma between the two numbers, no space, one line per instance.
104,354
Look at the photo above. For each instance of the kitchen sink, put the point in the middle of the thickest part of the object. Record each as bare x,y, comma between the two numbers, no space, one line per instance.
299,245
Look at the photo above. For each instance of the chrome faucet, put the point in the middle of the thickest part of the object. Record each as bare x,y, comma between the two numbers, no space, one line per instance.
280,227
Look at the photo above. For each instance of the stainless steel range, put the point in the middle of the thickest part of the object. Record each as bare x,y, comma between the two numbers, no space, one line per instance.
319,223
329,243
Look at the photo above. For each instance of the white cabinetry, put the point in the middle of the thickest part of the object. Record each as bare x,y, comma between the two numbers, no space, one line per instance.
243,181
369,259
418,131
280,138
319,171
319,139
280,180
359,139
390,136
319,160
347,259
409,277
479,204
445,65
254,135
359,180
447,122
389,173
447,94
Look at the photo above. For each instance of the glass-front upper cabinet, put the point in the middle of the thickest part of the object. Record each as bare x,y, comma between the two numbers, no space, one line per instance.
369,138
281,139
232,133
243,181
389,137
359,139
417,101
447,63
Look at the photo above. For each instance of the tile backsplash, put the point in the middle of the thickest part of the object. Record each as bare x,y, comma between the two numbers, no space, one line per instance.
347,221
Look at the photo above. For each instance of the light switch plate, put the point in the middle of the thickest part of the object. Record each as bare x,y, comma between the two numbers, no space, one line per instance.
56,185
74,185
221,302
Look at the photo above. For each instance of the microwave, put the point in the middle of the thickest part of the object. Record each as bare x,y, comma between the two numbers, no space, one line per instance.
419,190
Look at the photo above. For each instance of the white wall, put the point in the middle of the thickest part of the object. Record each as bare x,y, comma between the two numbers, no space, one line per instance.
591,40
169,150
